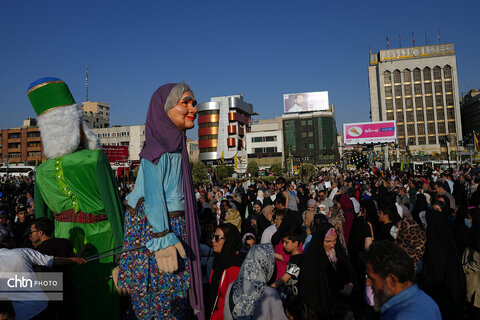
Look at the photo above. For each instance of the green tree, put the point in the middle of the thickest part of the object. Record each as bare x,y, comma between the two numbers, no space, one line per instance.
309,169
252,168
199,172
277,169
231,170
221,172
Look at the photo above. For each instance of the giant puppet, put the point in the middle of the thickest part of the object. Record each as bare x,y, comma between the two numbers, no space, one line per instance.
76,188
164,277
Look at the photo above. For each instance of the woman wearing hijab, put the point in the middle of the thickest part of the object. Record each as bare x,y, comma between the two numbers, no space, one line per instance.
250,297
348,213
265,220
442,277
471,263
337,219
227,243
161,221
327,279
420,210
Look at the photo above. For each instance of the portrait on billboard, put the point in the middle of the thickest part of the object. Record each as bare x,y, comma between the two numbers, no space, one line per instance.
303,102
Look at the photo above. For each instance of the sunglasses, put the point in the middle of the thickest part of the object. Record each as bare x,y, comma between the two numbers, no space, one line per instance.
217,237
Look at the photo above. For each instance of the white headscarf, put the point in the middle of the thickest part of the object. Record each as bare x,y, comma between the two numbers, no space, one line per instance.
255,272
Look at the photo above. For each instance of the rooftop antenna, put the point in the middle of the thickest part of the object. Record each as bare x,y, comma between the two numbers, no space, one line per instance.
86,82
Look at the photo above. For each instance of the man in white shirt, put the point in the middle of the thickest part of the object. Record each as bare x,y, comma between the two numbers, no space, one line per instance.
22,260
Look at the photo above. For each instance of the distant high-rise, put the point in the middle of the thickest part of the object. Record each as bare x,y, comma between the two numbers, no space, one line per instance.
418,88
222,125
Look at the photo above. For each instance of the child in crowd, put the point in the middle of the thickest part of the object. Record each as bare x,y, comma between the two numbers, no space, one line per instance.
291,244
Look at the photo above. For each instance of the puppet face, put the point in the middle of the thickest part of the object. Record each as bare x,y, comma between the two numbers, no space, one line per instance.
183,113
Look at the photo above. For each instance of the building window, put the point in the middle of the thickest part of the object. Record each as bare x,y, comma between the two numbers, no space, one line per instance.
417,75
427,76
34,144
309,122
208,112
387,78
14,145
310,134
447,72
304,134
202,150
33,134
14,136
303,122
208,137
310,146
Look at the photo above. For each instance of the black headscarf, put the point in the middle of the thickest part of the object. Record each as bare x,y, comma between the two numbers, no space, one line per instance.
421,204
442,277
227,258
319,281
289,221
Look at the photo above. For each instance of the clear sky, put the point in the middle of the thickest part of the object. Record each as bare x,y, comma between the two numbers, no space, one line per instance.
260,49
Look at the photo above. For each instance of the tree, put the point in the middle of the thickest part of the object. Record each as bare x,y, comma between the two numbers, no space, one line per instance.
221,172
309,169
199,172
231,170
252,168
277,169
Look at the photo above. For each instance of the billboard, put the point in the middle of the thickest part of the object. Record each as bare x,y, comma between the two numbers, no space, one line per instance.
116,153
369,132
307,101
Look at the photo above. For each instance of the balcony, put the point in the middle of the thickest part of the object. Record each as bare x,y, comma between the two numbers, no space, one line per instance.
232,129
231,142
207,131
240,143
209,118
207,143
241,131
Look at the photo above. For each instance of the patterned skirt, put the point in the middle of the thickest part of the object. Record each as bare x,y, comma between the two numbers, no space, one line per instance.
154,294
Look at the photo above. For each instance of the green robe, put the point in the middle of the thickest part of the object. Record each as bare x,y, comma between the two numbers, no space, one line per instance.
84,181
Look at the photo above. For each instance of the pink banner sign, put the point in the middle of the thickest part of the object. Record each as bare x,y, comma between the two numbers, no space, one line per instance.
369,132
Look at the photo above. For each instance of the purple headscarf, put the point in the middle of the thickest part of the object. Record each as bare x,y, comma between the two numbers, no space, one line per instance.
161,136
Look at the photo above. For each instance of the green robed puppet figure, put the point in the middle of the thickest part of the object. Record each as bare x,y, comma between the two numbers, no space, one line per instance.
76,188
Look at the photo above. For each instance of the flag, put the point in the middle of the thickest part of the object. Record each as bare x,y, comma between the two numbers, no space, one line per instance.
399,40
413,39
223,156
476,142
438,36
235,159
388,43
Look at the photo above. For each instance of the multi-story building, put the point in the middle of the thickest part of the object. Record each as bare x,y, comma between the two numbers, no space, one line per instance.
265,142
310,137
418,88
22,145
222,125
193,150
131,136
470,109
96,114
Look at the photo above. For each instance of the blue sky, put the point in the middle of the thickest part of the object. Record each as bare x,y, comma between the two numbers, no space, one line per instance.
261,49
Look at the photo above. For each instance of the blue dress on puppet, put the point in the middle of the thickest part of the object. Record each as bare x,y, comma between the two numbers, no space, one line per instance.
164,186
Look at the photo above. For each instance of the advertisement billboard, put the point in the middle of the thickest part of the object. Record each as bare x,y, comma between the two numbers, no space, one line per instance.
116,153
304,102
369,132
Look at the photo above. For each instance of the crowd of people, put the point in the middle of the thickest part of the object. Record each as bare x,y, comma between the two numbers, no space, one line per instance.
363,244
357,244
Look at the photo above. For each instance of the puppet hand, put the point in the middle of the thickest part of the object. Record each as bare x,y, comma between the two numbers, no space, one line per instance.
167,258
121,291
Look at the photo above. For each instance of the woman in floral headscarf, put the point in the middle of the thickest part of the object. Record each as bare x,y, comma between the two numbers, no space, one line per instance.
249,297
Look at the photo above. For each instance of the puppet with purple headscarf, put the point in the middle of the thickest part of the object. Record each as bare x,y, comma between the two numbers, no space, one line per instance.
161,215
